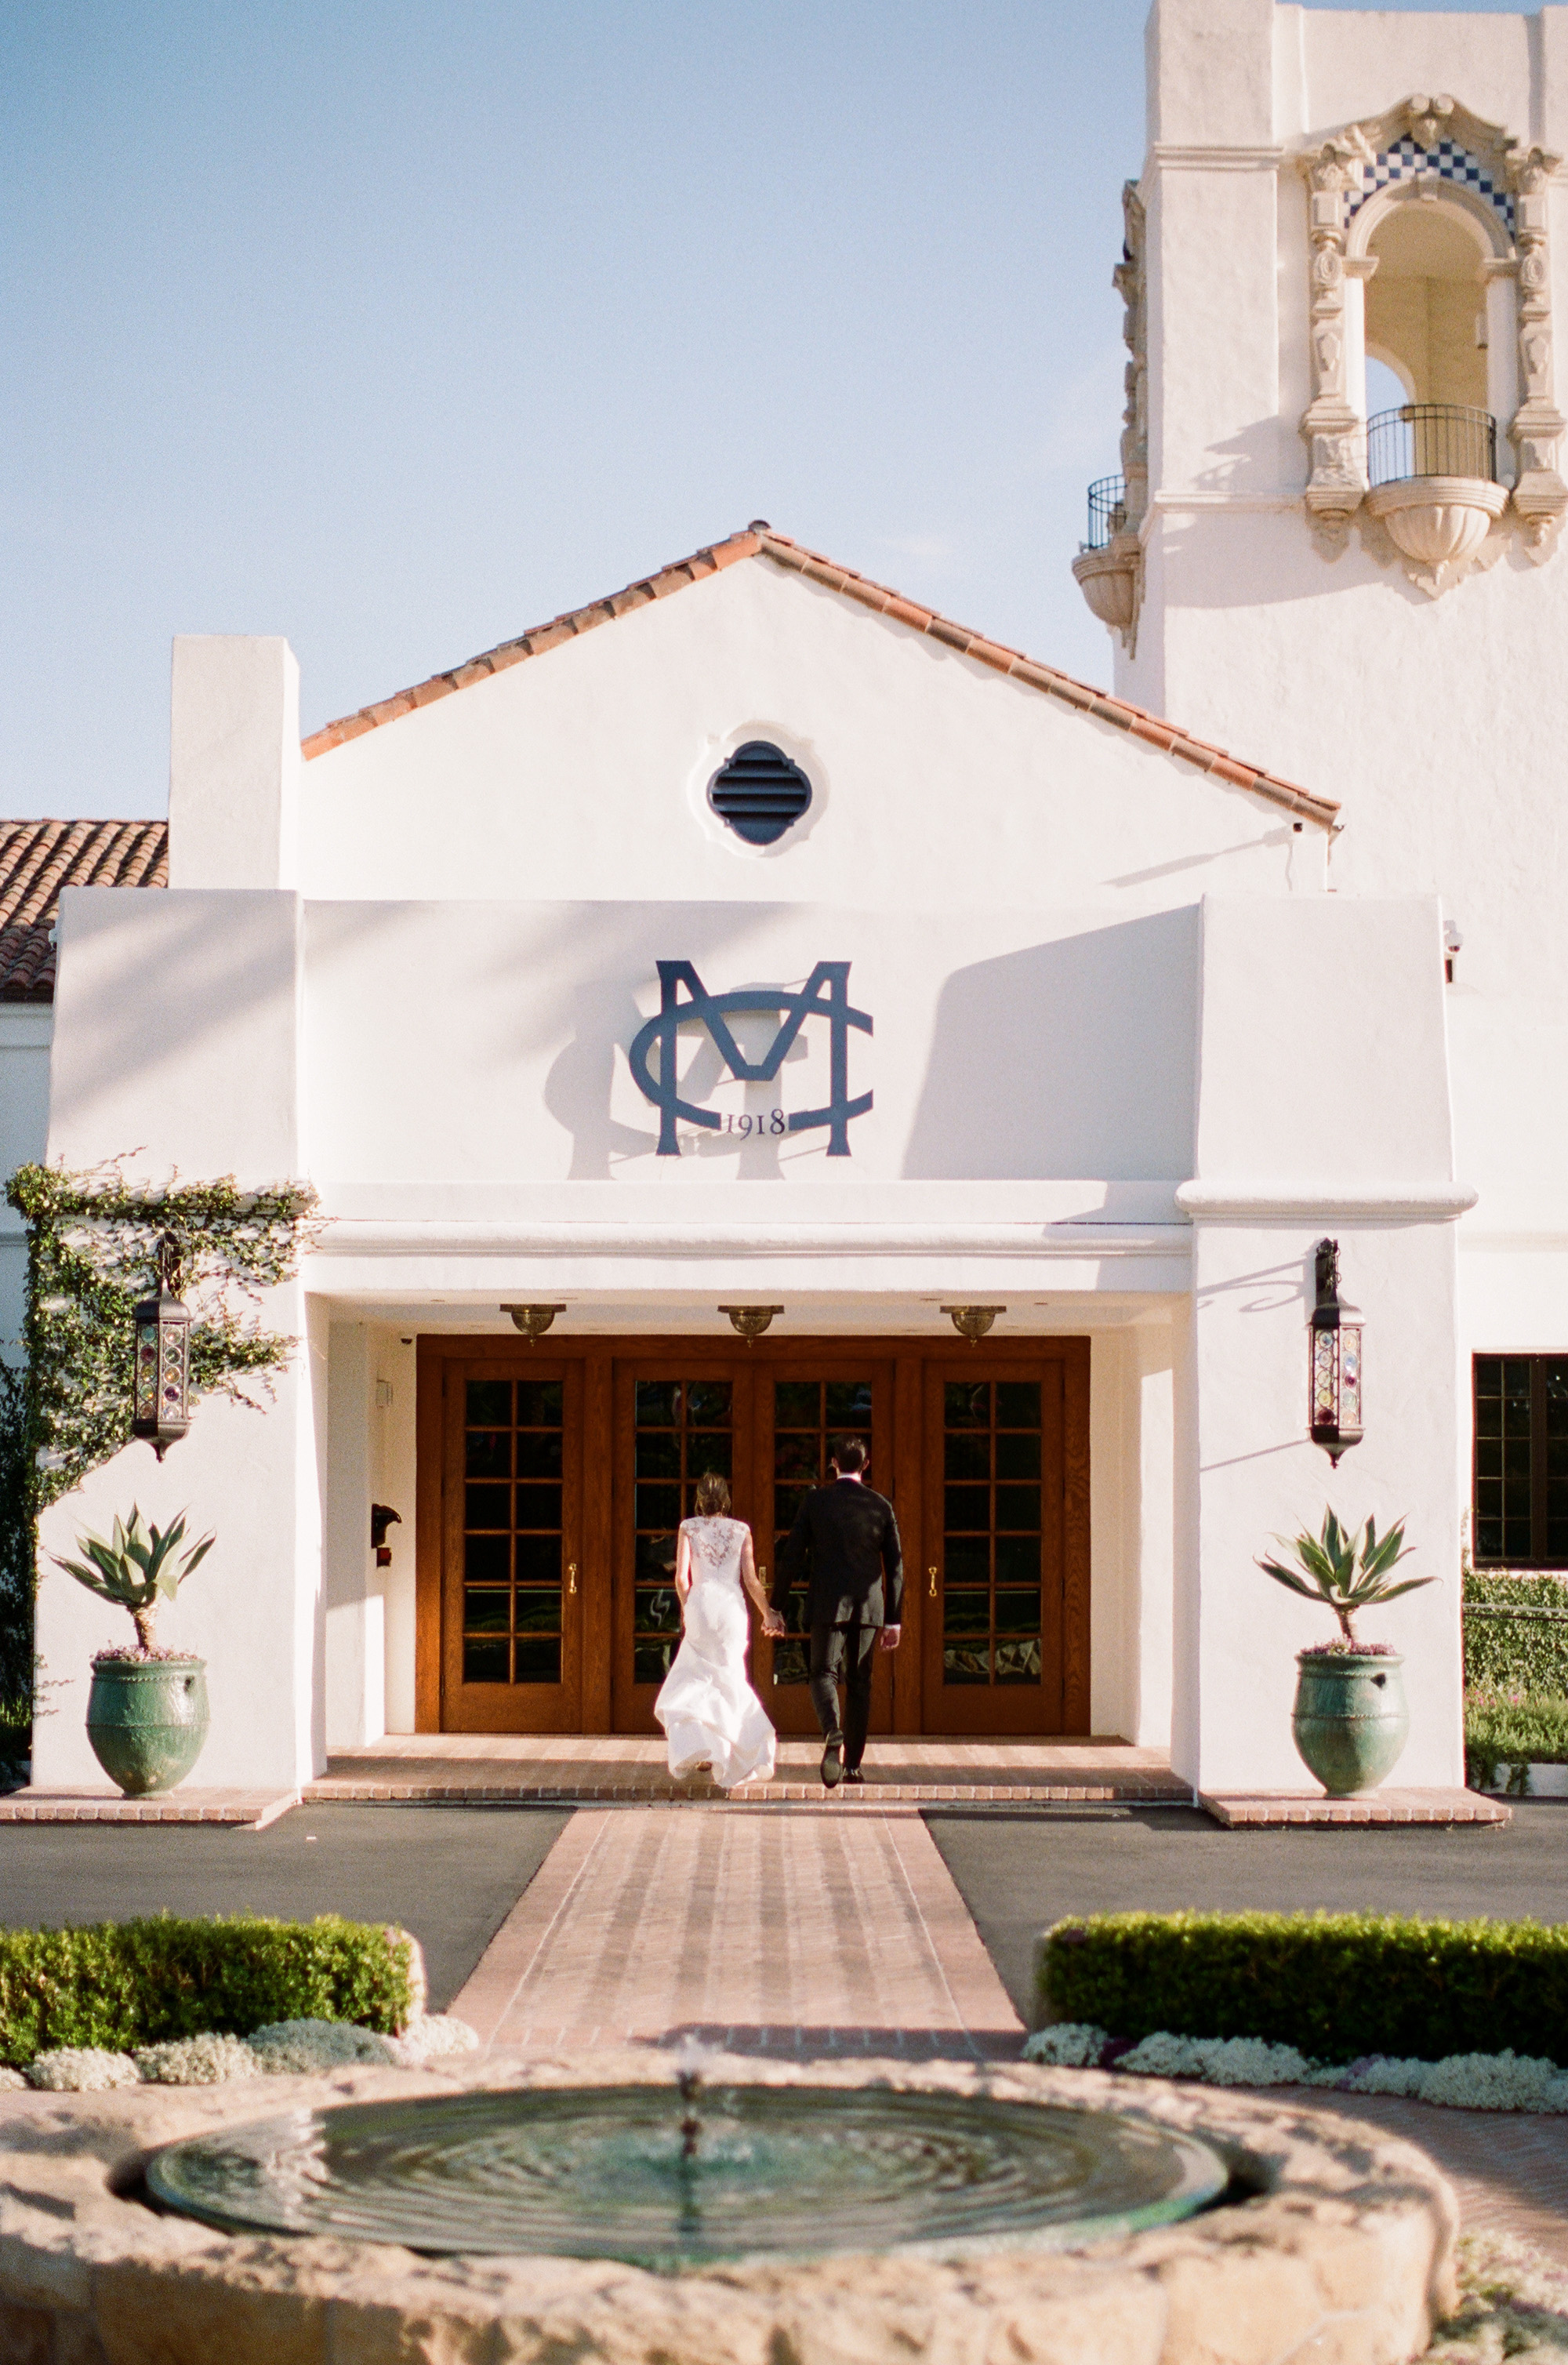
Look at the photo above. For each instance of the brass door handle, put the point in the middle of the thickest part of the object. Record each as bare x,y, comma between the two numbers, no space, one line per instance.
762,1572
931,1588
571,1576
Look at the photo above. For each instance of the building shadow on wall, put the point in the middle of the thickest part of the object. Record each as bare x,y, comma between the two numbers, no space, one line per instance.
581,1079
1068,1059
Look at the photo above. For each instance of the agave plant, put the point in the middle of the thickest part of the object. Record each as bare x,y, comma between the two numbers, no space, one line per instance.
1346,1571
138,1568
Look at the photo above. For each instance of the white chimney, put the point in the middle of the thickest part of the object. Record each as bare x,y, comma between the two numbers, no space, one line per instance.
235,762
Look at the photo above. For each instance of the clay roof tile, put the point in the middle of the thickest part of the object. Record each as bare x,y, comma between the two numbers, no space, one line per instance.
39,858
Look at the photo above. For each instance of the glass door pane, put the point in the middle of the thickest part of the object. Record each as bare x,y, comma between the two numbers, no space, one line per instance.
683,1429
991,1518
513,1570
510,1594
675,1418
809,1400
810,1416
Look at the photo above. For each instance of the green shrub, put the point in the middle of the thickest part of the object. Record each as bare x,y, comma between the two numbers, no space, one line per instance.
1513,1643
120,1984
1334,1985
1517,1730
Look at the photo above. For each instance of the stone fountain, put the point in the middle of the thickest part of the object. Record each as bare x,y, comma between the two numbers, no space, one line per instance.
741,2213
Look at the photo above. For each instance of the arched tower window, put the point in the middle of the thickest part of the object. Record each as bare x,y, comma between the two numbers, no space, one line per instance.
1427,234
1434,268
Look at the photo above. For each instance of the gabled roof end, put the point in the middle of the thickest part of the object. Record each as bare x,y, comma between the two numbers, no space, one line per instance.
760,540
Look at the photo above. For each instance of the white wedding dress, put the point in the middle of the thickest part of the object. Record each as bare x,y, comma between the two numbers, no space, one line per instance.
706,1705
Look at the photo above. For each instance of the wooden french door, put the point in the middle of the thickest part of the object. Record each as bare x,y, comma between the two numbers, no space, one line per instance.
511,1608
546,1598
1004,1595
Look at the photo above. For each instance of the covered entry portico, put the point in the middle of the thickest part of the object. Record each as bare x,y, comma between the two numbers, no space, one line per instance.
540,1482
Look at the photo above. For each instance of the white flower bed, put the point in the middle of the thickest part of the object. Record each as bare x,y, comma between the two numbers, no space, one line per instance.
82,2069
1461,2081
206,2060
1070,2044
435,2036
1223,2061
287,2048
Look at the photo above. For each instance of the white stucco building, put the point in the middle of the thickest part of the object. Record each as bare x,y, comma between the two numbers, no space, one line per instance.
756,938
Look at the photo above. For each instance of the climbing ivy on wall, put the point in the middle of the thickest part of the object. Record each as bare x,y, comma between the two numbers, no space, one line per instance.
91,1253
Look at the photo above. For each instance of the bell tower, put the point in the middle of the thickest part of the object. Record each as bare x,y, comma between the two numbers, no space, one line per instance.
1333,538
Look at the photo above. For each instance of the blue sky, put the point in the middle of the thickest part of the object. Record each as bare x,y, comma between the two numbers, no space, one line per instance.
396,329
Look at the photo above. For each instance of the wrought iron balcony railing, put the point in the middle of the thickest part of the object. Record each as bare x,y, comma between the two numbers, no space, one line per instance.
1107,511
1431,439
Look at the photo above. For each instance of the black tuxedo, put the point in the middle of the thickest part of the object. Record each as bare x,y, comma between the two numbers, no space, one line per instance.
846,1543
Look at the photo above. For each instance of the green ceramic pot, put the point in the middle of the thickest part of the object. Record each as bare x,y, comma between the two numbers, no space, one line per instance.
1352,1719
147,1720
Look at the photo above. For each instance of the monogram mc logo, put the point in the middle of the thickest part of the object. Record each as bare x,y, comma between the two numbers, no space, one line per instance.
826,995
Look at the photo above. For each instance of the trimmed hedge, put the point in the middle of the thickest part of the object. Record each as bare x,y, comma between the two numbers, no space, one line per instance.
1512,1646
1334,1985
121,1984
1528,1731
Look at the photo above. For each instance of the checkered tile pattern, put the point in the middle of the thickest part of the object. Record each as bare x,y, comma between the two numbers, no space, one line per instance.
1408,162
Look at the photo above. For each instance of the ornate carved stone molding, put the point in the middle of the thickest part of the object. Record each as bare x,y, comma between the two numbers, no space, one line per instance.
1330,423
1129,284
1434,577
1445,142
1116,594
1540,496
1442,527
1109,580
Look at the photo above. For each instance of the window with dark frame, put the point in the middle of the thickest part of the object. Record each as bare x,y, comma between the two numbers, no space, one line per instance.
1520,1490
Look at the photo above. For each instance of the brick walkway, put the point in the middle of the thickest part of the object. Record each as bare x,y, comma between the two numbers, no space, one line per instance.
802,1934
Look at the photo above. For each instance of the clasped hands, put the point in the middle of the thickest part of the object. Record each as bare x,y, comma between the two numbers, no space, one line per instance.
773,1626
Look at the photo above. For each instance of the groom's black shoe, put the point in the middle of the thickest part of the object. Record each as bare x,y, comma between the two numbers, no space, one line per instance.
833,1765
852,1774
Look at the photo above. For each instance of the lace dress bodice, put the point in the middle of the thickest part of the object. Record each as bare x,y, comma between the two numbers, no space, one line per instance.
715,1548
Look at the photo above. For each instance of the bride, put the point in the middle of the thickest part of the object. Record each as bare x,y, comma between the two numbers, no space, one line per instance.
709,1710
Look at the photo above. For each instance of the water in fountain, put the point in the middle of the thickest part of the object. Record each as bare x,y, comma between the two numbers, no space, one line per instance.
738,2171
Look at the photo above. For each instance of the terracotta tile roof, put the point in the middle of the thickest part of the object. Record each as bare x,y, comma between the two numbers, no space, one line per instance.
37,860
759,541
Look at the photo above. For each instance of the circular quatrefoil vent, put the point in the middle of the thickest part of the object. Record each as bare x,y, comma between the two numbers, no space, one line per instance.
760,792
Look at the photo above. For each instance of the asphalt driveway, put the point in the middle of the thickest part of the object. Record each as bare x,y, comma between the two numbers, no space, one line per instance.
449,1874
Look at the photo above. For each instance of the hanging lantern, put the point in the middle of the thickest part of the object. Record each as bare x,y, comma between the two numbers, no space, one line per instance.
161,1381
1334,1365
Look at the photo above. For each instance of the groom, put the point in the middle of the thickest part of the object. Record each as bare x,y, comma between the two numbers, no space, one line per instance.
846,1543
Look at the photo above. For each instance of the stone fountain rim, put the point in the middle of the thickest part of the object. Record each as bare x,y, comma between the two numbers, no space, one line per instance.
1349,2224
